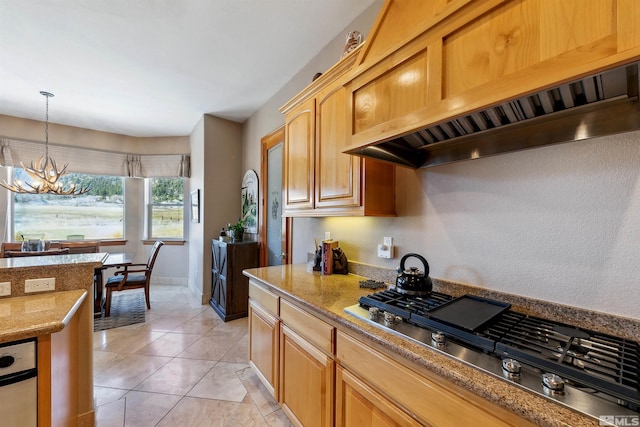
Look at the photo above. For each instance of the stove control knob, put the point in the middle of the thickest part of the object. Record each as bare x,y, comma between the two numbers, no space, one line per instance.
511,366
391,319
553,383
438,338
374,313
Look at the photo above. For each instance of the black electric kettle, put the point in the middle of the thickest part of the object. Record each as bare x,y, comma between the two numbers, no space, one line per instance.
413,281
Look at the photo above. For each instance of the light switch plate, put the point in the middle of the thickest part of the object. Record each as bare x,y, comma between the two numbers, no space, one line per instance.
40,285
5,289
385,251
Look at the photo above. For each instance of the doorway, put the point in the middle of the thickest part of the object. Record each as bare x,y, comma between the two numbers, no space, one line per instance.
275,230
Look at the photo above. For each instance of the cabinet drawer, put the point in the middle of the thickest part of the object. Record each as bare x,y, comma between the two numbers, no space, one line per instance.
265,298
434,400
307,325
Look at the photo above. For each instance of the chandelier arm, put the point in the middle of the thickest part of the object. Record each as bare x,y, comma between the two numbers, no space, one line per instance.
44,172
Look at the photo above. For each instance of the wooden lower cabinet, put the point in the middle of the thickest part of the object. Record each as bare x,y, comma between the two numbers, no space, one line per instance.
65,381
263,345
357,404
432,400
322,376
306,381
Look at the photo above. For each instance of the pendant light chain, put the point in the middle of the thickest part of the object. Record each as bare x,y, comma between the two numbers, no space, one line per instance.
46,124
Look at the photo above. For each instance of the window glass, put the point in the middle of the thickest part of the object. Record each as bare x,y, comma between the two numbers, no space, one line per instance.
166,208
98,214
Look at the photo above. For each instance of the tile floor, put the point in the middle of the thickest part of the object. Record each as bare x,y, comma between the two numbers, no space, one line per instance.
183,367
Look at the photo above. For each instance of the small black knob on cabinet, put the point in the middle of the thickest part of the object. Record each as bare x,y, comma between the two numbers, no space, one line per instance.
6,361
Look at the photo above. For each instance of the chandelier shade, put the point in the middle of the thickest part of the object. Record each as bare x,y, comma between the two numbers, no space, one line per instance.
44,172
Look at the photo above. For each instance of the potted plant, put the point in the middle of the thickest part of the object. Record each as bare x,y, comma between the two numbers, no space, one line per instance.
236,231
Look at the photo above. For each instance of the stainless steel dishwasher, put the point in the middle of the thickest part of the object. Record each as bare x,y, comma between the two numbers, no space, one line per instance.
18,384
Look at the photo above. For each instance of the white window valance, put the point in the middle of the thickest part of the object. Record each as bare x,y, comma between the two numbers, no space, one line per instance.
80,160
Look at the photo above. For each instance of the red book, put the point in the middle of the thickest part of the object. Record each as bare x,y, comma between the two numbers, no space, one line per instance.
327,255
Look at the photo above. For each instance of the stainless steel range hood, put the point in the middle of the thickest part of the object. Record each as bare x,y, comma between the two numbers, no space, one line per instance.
599,105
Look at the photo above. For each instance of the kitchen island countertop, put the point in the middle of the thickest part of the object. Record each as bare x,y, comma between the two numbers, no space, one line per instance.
328,295
93,259
36,315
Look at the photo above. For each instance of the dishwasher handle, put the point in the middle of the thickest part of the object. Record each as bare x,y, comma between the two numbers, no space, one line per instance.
6,380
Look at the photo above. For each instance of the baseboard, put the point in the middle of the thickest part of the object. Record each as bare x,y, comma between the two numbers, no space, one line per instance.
173,281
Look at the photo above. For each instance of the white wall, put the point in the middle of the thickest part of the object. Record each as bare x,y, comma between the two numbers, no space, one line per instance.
268,118
216,169
196,233
559,223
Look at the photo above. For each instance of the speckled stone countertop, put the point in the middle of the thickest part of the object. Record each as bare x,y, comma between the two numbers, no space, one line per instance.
52,260
36,315
327,296
73,271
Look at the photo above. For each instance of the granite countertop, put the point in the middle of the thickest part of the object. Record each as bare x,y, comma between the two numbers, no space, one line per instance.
94,259
35,315
329,295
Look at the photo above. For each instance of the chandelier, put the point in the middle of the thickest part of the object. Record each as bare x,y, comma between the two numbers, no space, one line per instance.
44,171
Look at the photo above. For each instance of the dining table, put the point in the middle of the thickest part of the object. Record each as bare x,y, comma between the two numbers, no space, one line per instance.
114,260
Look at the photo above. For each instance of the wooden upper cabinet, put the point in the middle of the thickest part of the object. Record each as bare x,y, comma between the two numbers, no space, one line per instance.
337,174
299,156
321,180
428,62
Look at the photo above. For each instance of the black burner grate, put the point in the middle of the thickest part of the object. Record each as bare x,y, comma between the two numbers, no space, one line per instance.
589,359
404,305
600,361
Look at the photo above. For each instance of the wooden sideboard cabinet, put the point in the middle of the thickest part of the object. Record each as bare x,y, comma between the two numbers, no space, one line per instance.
229,287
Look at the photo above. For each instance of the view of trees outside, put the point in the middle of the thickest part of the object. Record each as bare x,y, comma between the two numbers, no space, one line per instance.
98,214
167,207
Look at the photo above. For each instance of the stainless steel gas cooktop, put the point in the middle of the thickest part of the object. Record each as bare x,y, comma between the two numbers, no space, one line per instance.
590,372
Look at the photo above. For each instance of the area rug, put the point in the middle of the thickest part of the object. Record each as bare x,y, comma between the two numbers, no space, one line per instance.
126,309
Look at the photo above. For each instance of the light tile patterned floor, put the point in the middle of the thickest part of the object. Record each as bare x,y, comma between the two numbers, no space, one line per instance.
183,367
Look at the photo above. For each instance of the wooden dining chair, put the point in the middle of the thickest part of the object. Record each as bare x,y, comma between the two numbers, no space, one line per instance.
134,276
83,247
9,246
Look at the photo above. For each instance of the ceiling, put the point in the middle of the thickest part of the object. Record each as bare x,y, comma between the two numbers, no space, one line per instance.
154,67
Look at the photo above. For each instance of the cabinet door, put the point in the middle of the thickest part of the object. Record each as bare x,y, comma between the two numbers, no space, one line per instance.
299,156
219,274
306,381
337,174
359,405
263,346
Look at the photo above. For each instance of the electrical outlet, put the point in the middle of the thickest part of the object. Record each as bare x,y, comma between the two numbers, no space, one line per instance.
5,289
327,235
40,285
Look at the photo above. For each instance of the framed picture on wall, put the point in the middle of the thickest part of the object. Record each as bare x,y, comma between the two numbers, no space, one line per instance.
249,196
195,206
